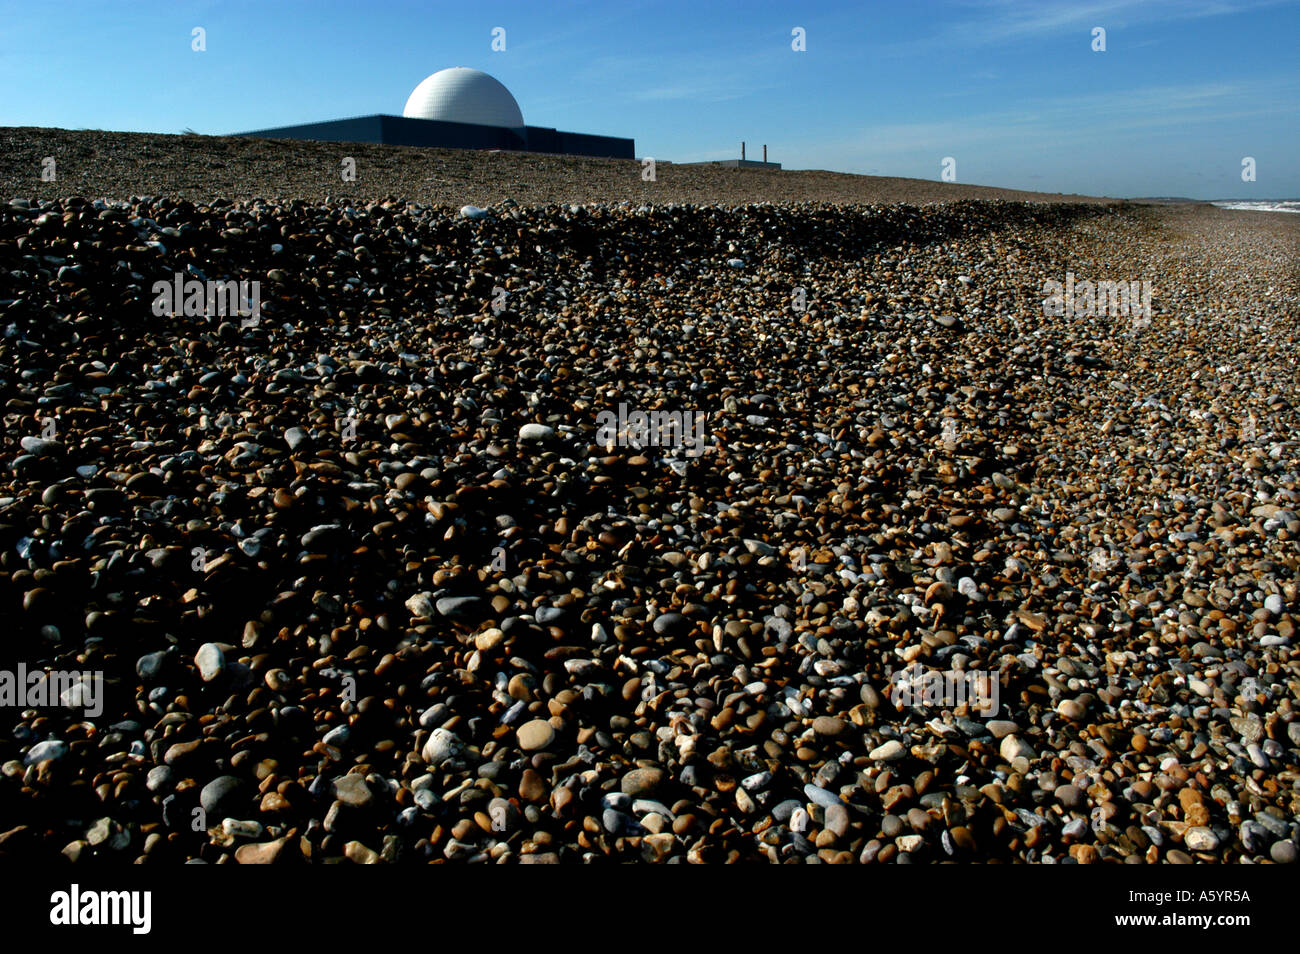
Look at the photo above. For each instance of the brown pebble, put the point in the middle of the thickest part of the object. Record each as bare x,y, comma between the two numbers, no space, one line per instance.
531,786
828,726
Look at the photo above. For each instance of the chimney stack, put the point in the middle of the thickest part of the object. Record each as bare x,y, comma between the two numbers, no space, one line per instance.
765,152
742,151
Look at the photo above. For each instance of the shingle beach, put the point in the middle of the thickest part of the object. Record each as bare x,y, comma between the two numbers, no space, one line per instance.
366,579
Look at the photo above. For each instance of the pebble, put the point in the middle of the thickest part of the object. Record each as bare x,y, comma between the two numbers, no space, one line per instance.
159,778
1001,728
784,810
1072,797
820,796
1013,747
666,624
263,853
1271,823
39,446
47,751
459,607
837,820
353,790
420,605
211,661
536,735
1071,709
107,832
536,432
888,751
241,829
296,438
642,781
829,726
442,744
909,843
218,797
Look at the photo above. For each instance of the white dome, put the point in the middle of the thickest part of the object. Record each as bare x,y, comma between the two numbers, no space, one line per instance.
463,95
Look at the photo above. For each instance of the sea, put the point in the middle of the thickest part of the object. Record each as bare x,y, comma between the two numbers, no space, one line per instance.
1266,205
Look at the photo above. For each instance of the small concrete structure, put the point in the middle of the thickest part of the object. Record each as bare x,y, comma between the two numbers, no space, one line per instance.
741,163
736,164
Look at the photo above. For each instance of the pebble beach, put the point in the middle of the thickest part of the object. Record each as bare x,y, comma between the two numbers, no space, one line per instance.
366,582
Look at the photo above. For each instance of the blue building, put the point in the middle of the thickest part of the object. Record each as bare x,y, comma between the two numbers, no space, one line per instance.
457,108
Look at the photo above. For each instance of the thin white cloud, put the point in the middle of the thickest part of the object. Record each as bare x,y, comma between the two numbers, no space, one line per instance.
1002,21
1064,121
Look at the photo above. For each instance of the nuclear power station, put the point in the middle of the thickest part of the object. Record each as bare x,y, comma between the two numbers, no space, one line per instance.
457,108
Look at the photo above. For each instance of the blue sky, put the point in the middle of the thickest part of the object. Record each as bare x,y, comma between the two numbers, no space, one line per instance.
1012,90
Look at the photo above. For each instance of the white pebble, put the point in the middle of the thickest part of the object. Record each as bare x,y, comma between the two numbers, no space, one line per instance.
888,752
210,660
536,432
